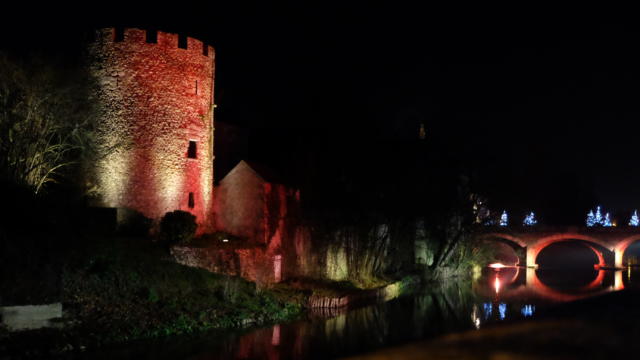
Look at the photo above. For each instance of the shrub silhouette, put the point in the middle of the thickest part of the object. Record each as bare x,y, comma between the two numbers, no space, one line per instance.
177,227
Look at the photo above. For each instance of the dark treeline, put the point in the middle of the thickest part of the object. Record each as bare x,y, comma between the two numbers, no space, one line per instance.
375,198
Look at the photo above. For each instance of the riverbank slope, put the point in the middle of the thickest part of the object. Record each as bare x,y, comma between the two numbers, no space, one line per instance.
118,290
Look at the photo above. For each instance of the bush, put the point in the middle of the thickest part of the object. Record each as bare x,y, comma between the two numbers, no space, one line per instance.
135,224
177,227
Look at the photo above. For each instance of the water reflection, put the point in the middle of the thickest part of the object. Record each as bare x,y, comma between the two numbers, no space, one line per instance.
528,310
502,309
512,293
488,310
497,296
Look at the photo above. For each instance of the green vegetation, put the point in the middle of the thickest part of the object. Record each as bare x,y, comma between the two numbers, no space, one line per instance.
130,291
118,290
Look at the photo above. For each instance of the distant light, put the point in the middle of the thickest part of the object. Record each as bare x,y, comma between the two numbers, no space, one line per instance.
597,219
591,219
530,220
607,220
497,266
504,219
635,221
225,240
422,134
496,284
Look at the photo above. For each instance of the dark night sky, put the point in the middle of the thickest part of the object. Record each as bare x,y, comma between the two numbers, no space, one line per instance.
544,103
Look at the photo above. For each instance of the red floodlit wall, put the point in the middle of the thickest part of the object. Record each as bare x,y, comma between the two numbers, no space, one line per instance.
265,216
156,98
240,204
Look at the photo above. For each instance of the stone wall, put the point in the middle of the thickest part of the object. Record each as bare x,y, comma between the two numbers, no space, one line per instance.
262,263
155,98
257,263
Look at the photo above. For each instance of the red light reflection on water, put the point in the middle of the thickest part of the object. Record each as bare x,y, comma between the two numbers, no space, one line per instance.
497,266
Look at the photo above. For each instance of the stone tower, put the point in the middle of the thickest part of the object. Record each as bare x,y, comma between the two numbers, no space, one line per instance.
155,133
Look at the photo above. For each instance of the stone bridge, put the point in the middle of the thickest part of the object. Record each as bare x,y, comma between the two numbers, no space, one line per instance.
609,244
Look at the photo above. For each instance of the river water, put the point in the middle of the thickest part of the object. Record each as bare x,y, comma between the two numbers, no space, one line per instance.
509,294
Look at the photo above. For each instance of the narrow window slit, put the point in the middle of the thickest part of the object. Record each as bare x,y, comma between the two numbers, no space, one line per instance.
192,151
192,201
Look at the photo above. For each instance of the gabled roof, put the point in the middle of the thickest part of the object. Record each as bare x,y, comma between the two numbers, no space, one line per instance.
266,173
262,171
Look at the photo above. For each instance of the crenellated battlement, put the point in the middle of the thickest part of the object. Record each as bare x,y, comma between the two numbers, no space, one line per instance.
155,91
161,39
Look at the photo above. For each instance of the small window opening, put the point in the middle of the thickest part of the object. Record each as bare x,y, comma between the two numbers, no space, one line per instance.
196,87
152,37
118,34
192,201
205,49
182,41
192,152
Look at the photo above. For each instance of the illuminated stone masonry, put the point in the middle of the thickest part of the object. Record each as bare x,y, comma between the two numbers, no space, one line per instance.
156,131
608,243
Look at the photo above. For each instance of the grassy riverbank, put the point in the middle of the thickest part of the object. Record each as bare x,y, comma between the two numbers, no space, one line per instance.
118,290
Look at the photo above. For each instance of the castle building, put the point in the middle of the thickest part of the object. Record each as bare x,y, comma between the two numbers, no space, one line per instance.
156,153
155,134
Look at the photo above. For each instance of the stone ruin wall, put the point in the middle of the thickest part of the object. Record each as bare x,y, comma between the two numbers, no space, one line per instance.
154,99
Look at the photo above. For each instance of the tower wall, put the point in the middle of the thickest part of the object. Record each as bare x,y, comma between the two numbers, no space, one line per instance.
155,98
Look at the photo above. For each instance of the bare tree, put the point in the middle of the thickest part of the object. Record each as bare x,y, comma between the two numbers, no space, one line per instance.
449,230
45,122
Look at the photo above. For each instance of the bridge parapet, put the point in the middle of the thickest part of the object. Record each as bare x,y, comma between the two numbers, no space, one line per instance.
609,239
558,229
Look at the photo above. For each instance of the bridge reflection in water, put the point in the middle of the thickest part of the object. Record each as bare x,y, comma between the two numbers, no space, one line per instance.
515,292
526,282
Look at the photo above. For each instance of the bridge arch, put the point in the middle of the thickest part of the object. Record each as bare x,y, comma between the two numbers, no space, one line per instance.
533,250
516,243
622,246
506,237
